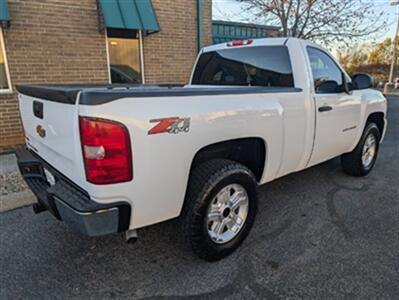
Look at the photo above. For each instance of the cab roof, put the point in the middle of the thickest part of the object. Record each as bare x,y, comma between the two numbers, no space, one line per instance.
276,41
255,42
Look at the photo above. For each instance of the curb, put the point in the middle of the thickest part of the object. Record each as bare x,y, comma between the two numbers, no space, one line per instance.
16,200
14,192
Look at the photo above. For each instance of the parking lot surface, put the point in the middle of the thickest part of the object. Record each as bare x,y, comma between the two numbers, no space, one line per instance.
318,234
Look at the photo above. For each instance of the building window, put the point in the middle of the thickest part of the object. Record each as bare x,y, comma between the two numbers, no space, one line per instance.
5,85
124,56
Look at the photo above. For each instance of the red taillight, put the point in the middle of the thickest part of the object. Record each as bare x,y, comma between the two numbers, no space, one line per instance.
106,151
240,43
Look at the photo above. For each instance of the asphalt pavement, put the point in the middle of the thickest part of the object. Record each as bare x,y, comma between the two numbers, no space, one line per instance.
319,234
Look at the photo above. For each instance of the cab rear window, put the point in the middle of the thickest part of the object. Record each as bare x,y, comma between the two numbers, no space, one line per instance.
248,66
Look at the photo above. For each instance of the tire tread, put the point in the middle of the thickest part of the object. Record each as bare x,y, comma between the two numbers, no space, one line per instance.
203,179
351,162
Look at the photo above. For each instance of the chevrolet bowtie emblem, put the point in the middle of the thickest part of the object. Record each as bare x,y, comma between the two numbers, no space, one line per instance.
41,131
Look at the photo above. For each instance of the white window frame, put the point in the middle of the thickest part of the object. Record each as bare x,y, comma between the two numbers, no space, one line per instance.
3,48
141,57
107,50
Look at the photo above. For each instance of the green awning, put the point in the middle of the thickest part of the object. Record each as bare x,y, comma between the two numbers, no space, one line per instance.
129,14
4,14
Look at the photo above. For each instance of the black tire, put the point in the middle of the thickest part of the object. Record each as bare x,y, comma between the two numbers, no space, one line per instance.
205,182
352,162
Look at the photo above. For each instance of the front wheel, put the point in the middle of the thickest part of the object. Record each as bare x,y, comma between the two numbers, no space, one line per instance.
220,208
361,160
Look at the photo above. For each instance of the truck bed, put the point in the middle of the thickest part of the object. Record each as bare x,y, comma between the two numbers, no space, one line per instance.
96,94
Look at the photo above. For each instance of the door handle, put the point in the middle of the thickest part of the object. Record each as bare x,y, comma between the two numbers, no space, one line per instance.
325,108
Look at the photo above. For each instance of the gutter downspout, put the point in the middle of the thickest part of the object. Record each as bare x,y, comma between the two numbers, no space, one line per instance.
199,24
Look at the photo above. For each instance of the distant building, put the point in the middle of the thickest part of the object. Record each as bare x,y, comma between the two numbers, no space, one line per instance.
223,31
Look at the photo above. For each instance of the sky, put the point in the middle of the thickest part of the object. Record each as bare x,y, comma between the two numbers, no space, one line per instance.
230,10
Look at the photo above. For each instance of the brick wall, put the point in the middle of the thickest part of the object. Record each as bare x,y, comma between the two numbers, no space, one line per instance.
170,53
49,41
58,41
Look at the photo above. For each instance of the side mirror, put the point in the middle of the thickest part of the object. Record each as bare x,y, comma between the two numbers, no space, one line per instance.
362,81
327,87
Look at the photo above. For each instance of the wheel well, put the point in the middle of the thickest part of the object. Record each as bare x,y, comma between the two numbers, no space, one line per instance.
247,151
378,119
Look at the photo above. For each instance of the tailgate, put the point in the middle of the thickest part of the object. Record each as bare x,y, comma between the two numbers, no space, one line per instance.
52,131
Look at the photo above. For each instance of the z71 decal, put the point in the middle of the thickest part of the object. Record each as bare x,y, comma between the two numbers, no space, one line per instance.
170,125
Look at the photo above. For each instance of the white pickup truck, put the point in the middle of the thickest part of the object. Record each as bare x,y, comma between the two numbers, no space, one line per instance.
115,158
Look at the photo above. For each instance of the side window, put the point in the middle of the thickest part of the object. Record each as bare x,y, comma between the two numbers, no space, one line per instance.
5,85
249,66
326,73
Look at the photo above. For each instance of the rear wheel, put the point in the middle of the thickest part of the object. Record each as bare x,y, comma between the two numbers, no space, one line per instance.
361,160
220,208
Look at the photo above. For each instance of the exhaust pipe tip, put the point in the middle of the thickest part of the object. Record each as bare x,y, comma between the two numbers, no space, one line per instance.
38,208
131,236
132,240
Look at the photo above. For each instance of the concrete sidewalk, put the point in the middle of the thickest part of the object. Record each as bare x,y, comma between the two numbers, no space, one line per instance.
14,192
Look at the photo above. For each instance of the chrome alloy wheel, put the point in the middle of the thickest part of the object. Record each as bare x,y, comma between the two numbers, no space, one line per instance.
227,213
369,150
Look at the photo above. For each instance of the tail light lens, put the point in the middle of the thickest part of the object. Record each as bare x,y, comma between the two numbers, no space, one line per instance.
106,151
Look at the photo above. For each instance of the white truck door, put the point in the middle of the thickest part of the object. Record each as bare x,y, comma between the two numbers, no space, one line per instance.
337,112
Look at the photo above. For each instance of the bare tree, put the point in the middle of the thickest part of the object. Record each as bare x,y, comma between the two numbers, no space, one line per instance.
325,21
